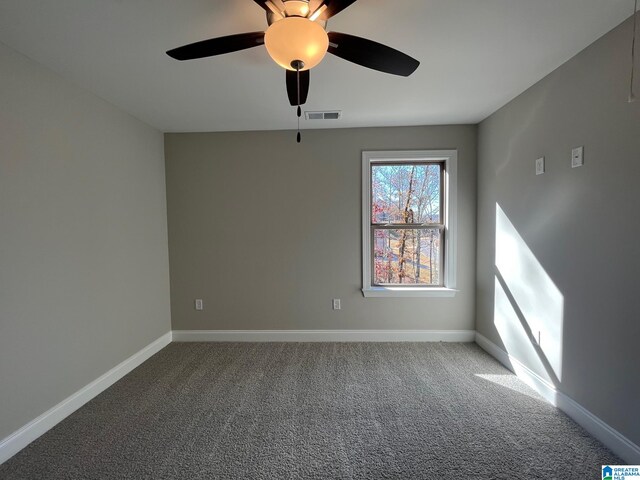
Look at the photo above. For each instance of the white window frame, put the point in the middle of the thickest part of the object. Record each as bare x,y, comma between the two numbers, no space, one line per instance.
450,159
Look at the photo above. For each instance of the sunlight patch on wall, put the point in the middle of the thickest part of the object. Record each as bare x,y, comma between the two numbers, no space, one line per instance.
529,306
513,334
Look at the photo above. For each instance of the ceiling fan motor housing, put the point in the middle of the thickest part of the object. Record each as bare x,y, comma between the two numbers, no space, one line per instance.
294,8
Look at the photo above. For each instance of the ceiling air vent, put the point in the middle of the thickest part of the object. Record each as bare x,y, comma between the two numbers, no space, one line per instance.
332,115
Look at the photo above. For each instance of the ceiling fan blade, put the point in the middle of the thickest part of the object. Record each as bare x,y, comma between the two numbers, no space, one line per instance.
217,46
371,54
334,7
292,86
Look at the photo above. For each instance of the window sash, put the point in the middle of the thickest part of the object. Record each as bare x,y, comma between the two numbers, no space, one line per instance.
408,226
441,200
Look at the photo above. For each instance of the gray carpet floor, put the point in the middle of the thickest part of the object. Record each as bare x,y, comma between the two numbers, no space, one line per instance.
315,411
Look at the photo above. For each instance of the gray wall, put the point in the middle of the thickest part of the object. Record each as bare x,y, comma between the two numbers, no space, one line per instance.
83,241
571,239
267,231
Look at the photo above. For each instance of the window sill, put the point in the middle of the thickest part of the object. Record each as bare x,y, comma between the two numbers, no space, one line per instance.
408,292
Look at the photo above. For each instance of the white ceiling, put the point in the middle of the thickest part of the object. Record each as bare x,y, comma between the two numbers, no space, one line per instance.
475,56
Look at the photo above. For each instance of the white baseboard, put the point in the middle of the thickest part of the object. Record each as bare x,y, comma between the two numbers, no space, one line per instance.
323,335
610,437
22,437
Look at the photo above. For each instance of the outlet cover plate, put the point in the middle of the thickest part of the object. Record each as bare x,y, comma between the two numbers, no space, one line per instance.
540,166
577,157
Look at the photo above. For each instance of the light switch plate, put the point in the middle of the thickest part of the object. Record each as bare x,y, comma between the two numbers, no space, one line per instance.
577,157
540,166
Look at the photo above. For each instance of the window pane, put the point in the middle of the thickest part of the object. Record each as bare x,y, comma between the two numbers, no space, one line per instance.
410,257
405,193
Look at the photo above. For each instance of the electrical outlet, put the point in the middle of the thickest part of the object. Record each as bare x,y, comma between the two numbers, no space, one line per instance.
540,166
198,304
336,304
577,157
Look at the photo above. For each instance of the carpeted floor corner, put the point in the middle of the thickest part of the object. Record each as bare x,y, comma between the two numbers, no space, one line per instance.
315,411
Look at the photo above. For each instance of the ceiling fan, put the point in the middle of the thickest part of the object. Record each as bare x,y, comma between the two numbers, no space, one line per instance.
297,40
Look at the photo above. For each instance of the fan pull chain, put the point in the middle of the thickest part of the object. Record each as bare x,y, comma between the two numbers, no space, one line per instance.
299,111
632,96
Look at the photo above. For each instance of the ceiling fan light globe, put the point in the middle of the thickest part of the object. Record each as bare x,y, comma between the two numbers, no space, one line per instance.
296,38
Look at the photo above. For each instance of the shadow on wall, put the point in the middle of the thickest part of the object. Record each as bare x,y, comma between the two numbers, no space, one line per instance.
528,306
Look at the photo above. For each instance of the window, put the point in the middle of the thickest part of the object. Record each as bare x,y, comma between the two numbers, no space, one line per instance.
408,234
